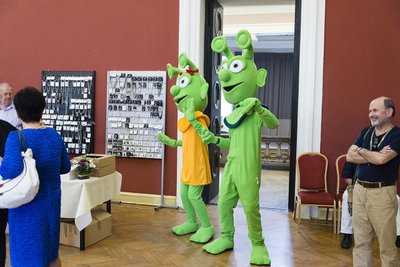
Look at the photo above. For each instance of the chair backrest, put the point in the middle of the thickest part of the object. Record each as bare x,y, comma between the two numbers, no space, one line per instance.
312,170
341,185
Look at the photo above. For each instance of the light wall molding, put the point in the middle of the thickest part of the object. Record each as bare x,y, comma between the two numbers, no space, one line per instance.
144,199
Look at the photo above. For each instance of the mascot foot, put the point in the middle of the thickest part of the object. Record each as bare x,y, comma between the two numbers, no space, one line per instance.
185,228
219,245
259,256
203,235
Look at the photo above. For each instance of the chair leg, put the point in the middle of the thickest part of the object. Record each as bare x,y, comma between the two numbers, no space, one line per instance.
327,214
339,219
334,218
299,216
295,208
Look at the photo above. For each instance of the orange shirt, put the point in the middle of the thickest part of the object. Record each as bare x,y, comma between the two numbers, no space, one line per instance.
195,163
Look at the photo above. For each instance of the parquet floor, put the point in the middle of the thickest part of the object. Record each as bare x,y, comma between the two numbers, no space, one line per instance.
142,237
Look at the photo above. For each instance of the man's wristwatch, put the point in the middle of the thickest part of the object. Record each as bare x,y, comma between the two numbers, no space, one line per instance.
359,149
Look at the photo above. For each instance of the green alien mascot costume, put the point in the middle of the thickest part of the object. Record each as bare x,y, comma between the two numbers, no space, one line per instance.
240,78
191,88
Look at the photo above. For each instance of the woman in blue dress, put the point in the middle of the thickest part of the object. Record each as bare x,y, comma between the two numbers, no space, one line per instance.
34,228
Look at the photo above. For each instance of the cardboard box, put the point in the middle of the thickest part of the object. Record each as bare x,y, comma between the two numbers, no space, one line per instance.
97,230
105,164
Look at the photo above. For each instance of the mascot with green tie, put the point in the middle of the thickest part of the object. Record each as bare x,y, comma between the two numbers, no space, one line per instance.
240,80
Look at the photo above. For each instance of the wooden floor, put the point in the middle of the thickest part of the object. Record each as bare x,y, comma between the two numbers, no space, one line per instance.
142,237
274,189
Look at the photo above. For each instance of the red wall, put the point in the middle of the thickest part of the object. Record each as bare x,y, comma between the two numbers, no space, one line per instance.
97,35
362,62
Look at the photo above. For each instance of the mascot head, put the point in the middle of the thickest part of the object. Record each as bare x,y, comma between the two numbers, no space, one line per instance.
238,75
189,84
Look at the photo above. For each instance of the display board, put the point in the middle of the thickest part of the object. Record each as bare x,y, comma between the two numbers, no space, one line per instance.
70,107
135,113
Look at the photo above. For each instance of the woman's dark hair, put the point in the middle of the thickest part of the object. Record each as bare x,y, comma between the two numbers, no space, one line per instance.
29,103
388,103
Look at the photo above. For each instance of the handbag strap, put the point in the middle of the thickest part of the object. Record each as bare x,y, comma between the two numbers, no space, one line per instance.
23,145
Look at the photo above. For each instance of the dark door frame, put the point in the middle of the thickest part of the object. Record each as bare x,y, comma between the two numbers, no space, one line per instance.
295,104
213,27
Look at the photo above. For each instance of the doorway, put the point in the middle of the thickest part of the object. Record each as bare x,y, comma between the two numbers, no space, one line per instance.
272,29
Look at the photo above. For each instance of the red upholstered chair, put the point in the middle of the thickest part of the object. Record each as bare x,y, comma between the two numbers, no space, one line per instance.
312,187
341,186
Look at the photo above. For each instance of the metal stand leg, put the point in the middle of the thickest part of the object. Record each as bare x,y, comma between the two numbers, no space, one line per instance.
162,187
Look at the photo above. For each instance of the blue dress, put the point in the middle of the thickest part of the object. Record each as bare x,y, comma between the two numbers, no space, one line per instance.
34,228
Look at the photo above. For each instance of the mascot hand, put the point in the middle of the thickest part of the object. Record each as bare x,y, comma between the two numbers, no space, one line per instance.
166,140
249,104
189,111
208,137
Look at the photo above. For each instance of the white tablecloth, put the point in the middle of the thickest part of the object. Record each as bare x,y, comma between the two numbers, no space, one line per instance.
78,197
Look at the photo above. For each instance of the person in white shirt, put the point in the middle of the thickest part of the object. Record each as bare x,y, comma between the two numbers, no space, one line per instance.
7,109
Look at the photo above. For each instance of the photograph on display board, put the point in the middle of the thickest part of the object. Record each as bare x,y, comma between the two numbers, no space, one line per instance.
135,113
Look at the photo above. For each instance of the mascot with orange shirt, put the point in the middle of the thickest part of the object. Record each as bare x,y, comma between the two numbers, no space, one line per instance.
191,90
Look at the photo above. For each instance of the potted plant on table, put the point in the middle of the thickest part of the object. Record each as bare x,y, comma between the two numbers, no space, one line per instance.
83,167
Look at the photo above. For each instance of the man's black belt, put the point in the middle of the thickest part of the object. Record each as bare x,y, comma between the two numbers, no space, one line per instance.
375,184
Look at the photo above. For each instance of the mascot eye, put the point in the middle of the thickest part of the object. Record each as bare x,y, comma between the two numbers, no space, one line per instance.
236,66
182,83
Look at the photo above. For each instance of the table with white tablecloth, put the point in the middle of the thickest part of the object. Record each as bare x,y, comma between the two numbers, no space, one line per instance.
78,197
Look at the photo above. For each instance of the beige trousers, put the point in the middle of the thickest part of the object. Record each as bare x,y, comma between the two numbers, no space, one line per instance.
374,213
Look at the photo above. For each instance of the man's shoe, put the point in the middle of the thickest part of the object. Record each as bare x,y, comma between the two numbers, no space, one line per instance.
347,241
398,241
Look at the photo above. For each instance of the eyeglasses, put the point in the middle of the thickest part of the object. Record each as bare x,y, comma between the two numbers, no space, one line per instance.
7,94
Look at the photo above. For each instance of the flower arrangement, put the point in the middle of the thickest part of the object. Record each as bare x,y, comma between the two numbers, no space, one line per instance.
83,166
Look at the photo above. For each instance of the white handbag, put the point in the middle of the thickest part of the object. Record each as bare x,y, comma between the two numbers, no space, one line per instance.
23,188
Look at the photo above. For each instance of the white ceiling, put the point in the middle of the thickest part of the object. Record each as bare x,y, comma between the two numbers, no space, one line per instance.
271,23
